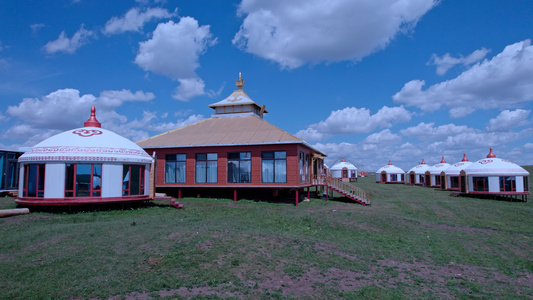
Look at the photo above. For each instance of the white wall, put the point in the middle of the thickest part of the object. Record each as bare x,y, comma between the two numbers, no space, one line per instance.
112,180
54,180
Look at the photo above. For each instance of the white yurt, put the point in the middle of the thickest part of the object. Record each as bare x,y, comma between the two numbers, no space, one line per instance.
434,173
416,175
451,174
344,170
496,176
390,174
87,165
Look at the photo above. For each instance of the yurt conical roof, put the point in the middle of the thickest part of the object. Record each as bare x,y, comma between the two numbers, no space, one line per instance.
456,168
438,168
419,169
493,166
343,164
391,169
90,143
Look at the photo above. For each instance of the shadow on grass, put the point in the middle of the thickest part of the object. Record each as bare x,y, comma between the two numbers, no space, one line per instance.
75,209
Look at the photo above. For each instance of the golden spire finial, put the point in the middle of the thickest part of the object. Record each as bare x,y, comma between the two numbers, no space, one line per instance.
240,82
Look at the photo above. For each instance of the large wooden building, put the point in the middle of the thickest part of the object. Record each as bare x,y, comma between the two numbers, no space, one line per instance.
235,152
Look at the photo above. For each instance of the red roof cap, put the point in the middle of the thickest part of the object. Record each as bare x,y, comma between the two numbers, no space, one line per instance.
464,157
92,122
491,155
390,164
443,161
423,162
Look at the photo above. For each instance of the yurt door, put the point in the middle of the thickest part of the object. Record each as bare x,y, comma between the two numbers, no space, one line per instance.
344,173
383,177
462,183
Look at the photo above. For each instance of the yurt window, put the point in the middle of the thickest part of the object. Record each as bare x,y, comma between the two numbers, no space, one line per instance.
132,180
353,173
83,180
206,167
507,184
437,180
246,108
175,168
274,167
33,180
526,183
237,108
239,167
454,181
393,177
421,178
219,109
481,184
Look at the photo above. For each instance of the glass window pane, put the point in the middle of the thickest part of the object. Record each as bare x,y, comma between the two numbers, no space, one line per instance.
181,157
245,171
135,180
170,157
267,155
212,171
83,180
170,172
201,173
281,154
212,156
201,156
267,171
281,171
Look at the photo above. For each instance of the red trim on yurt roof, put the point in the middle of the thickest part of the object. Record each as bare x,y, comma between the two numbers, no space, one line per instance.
491,155
464,157
92,121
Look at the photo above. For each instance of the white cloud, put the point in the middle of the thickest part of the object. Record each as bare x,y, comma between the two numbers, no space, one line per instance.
428,131
293,33
174,51
64,44
352,120
134,20
189,88
507,120
502,82
446,62
43,113
37,119
36,27
382,138
117,98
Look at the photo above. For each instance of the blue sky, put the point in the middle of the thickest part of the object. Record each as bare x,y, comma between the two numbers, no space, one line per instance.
366,80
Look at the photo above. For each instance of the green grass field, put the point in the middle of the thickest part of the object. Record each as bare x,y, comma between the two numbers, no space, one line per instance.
412,242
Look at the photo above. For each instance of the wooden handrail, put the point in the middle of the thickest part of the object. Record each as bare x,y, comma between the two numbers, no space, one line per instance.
349,190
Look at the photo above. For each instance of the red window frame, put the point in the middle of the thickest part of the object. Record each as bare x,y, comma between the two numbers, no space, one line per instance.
526,183
484,184
93,192
39,188
126,189
512,180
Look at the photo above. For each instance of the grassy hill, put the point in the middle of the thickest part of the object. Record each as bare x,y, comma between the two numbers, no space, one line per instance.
412,242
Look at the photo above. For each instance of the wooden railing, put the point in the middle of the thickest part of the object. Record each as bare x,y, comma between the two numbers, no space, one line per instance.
345,188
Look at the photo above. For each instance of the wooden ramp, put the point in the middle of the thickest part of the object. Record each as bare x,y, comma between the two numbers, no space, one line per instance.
346,189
